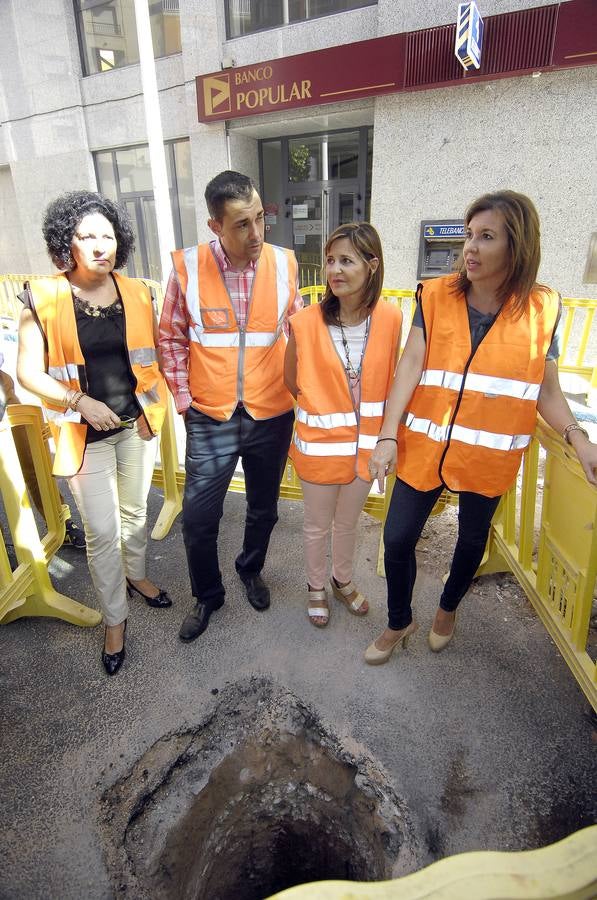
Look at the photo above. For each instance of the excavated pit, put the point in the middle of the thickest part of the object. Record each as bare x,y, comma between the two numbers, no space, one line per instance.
258,797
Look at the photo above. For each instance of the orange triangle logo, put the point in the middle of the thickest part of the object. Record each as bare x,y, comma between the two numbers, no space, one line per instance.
216,94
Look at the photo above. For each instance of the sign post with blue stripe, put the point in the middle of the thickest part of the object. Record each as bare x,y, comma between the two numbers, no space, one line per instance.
469,36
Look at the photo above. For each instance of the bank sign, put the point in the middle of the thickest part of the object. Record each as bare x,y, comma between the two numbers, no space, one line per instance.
303,80
469,36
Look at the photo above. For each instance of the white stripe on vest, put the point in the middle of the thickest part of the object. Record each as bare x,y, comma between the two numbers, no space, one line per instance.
281,283
331,420
143,356
348,448
484,384
472,436
64,373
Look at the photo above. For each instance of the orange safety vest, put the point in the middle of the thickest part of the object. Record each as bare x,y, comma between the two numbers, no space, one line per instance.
52,299
333,440
472,415
227,364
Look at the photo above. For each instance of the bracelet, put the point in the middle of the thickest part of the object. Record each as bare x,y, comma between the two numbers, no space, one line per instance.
574,426
68,397
74,398
78,400
379,440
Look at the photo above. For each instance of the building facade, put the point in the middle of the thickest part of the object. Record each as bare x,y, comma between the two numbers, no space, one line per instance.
73,118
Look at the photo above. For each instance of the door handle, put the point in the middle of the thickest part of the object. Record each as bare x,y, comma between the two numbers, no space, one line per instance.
325,214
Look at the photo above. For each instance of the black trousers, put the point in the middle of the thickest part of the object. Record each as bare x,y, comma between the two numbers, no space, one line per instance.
409,510
213,450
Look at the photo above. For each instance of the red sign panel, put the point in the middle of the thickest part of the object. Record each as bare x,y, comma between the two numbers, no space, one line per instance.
323,76
538,39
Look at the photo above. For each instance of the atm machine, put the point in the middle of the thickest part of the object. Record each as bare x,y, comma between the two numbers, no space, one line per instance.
440,245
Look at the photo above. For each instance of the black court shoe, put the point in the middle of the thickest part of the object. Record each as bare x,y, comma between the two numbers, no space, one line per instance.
73,536
160,601
113,661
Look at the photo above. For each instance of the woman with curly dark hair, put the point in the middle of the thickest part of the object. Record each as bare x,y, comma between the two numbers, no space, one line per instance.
87,348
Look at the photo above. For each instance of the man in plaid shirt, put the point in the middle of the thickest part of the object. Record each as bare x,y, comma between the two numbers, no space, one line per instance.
222,340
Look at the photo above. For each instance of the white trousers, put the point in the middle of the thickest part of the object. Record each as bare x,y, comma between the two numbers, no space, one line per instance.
111,491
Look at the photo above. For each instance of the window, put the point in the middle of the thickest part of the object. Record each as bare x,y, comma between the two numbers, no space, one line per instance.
125,175
247,16
323,157
108,33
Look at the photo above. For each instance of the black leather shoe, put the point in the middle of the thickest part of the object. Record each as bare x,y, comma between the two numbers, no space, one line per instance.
257,591
197,621
113,661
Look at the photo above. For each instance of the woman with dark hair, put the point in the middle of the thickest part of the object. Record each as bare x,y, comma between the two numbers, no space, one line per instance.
339,365
478,365
87,348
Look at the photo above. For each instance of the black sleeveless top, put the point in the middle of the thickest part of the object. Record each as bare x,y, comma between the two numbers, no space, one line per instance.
107,375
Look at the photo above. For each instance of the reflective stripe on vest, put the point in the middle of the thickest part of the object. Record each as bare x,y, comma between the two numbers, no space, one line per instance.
472,436
370,409
232,338
344,448
146,398
282,283
331,420
143,356
64,373
58,417
484,384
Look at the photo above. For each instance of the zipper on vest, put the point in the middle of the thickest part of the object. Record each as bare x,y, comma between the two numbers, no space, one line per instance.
241,331
458,403
241,363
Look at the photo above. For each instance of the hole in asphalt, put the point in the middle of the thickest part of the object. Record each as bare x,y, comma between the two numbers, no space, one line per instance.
257,798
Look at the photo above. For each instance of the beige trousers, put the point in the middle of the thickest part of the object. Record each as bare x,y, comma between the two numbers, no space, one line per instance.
331,508
111,491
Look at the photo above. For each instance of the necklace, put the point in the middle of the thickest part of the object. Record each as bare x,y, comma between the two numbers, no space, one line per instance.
103,312
353,374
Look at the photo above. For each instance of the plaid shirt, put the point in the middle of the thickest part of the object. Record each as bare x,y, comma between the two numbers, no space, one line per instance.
175,322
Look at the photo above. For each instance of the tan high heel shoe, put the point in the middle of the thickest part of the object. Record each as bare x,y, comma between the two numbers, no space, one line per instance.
438,642
376,657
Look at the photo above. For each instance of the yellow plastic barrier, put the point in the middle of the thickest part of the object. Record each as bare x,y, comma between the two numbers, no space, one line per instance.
564,871
579,315
556,563
10,286
168,475
28,590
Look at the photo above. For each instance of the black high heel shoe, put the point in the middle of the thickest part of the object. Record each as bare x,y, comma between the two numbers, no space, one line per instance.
160,601
113,661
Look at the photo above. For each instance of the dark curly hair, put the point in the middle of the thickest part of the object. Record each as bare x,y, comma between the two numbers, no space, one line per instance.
63,216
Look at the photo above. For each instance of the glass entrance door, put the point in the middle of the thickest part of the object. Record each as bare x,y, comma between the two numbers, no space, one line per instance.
314,215
312,183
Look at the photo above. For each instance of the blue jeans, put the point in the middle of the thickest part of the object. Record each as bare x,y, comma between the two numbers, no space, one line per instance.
213,450
409,510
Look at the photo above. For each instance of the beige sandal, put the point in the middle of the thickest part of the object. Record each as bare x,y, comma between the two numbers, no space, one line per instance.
318,610
345,595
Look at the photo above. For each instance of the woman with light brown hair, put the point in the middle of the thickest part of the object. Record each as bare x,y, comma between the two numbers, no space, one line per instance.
479,364
339,365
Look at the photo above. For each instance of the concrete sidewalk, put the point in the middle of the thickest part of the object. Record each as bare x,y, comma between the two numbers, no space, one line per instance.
489,744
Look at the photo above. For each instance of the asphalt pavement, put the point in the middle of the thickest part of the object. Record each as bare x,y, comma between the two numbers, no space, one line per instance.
490,744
